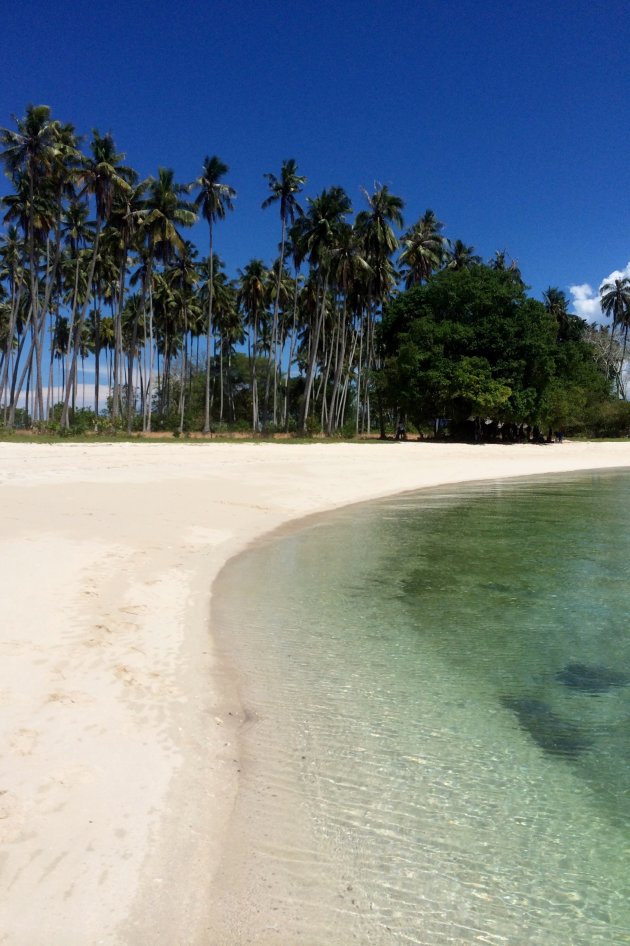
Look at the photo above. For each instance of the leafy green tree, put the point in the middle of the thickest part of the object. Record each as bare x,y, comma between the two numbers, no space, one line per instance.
468,344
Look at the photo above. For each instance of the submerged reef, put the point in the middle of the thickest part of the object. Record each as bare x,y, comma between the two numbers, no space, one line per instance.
548,730
591,679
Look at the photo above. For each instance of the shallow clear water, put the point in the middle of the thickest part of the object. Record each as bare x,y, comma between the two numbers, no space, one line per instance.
438,740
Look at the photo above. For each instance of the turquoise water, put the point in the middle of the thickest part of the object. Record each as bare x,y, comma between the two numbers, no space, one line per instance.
437,745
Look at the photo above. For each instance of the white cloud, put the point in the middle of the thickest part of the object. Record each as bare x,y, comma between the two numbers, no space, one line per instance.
617,274
586,299
56,393
586,302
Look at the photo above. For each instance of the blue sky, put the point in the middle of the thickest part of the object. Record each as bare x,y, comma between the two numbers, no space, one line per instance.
509,120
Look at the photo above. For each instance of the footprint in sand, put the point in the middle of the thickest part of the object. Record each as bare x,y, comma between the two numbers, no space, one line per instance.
94,642
23,741
11,817
73,696
14,648
147,683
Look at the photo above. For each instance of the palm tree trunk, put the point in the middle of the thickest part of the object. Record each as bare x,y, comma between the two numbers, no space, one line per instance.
291,353
133,345
621,385
255,414
310,374
16,297
182,386
16,388
79,327
51,364
273,360
97,356
221,379
28,389
116,405
360,375
15,393
149,400
38,400
339,359
341,412
206,417
230,391
141,375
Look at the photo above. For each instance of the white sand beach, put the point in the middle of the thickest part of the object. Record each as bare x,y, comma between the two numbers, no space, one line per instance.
119,762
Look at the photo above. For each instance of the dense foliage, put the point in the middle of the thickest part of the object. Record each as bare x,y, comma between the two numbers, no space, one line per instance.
95,269
471,347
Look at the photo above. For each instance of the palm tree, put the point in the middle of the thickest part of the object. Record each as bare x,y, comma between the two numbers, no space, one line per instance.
36,157
31,146
423,249
213,200
294,252
461,256
132,315
227,323
5,322
11,271
229,327
75,227
375,225
78,233
252,296
315,236
181,278
108,344
615,303
379,242
36,218
166,210
283,191
125,225
349,270
105,289
102,176
557,305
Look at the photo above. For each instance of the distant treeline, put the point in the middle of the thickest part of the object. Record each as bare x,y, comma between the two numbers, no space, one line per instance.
357,324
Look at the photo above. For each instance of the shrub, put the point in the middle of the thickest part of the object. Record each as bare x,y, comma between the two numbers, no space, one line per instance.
609,419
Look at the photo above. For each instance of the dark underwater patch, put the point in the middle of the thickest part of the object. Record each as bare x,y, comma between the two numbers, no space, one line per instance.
548,730
591,679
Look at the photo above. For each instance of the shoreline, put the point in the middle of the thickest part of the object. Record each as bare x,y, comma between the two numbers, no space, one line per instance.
119,715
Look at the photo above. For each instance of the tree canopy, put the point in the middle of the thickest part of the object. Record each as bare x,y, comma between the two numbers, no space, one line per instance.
471,347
